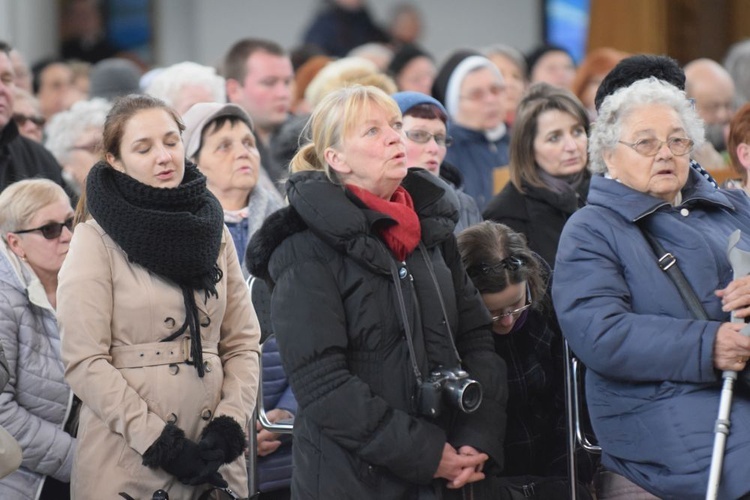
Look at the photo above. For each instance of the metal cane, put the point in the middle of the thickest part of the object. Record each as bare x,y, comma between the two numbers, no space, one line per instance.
740,261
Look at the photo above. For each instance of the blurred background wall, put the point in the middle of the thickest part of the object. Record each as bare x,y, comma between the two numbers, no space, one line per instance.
202,30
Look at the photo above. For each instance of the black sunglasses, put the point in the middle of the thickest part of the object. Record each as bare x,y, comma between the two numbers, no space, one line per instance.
51,230
21,120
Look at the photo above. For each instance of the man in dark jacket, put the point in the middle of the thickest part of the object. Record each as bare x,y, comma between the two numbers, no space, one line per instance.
20,158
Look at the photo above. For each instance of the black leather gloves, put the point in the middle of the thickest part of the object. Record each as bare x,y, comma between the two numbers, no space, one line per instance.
223,434
184,459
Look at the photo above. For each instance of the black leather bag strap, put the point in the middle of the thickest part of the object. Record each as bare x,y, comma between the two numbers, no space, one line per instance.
668,263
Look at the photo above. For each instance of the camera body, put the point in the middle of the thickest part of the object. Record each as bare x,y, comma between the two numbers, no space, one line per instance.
451,386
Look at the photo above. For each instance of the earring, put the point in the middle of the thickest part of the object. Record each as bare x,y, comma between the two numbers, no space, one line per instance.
23,258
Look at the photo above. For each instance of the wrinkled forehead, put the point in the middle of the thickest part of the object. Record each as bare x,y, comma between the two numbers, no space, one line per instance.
361,111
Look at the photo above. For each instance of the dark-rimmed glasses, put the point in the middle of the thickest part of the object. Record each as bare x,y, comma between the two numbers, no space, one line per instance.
21,120
516,312
92,148
51,230
423,137
650,147
481,94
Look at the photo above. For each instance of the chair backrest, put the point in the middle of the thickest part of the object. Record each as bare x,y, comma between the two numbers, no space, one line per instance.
260,295
574,405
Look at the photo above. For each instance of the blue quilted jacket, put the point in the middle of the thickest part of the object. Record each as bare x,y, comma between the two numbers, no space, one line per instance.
652,389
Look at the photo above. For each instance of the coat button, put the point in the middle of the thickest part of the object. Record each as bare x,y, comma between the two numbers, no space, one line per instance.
205,322
207,366
174,369
684,212
402,273
169,322
172,418
206,414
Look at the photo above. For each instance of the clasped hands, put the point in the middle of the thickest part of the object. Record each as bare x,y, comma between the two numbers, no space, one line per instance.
462,466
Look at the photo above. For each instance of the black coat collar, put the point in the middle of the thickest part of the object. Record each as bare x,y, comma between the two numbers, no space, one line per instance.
344,223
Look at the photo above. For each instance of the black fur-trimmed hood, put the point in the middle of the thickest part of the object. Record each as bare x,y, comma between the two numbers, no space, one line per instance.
278,226
340,220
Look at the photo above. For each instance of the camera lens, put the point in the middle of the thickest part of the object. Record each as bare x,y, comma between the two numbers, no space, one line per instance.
466,394
471,397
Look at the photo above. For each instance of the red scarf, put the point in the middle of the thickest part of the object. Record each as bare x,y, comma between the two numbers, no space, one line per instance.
403,237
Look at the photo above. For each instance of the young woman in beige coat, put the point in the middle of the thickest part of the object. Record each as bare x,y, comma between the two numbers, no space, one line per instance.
160,340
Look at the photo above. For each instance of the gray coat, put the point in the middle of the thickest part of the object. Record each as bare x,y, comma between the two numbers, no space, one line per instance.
35,403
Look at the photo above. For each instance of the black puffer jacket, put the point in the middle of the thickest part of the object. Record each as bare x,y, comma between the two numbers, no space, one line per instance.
539,214
336,314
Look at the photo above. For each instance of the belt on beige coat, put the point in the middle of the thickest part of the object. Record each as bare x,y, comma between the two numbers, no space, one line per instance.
157,353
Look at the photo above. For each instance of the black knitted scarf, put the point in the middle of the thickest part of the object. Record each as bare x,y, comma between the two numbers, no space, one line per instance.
174,233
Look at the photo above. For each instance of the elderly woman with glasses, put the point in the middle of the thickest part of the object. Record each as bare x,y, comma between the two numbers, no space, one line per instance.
427,142
36,406
74,137
654,368
513,282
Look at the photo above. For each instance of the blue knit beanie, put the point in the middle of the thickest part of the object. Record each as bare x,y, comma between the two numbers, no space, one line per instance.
408,99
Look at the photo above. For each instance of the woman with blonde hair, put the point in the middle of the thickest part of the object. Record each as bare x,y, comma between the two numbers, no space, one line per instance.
364,236
36,406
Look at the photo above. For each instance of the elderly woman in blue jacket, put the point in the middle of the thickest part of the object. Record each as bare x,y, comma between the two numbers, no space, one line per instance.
653,383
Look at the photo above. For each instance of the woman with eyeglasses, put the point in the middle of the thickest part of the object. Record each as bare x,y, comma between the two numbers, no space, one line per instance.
74,137
160,339
653,378
36,407
513,282
427,142
548,176
27,116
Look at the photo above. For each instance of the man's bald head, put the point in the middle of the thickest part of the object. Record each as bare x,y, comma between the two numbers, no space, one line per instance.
713,90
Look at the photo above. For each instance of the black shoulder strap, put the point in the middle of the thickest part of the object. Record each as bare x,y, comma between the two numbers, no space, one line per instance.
668,263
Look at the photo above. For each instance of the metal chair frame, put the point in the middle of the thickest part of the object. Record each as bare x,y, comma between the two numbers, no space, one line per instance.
573,404
260,414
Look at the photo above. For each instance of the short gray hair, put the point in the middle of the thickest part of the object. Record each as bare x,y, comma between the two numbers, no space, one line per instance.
737,63
510,53
64,129
166,85
608,126
20,201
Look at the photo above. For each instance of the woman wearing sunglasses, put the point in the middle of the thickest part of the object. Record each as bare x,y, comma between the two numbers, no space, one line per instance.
513,282
427,143
36,406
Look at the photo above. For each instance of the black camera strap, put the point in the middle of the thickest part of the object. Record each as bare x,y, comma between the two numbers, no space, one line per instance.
431,269
404,317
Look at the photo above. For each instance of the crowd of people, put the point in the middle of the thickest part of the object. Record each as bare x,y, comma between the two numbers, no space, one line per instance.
432,234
